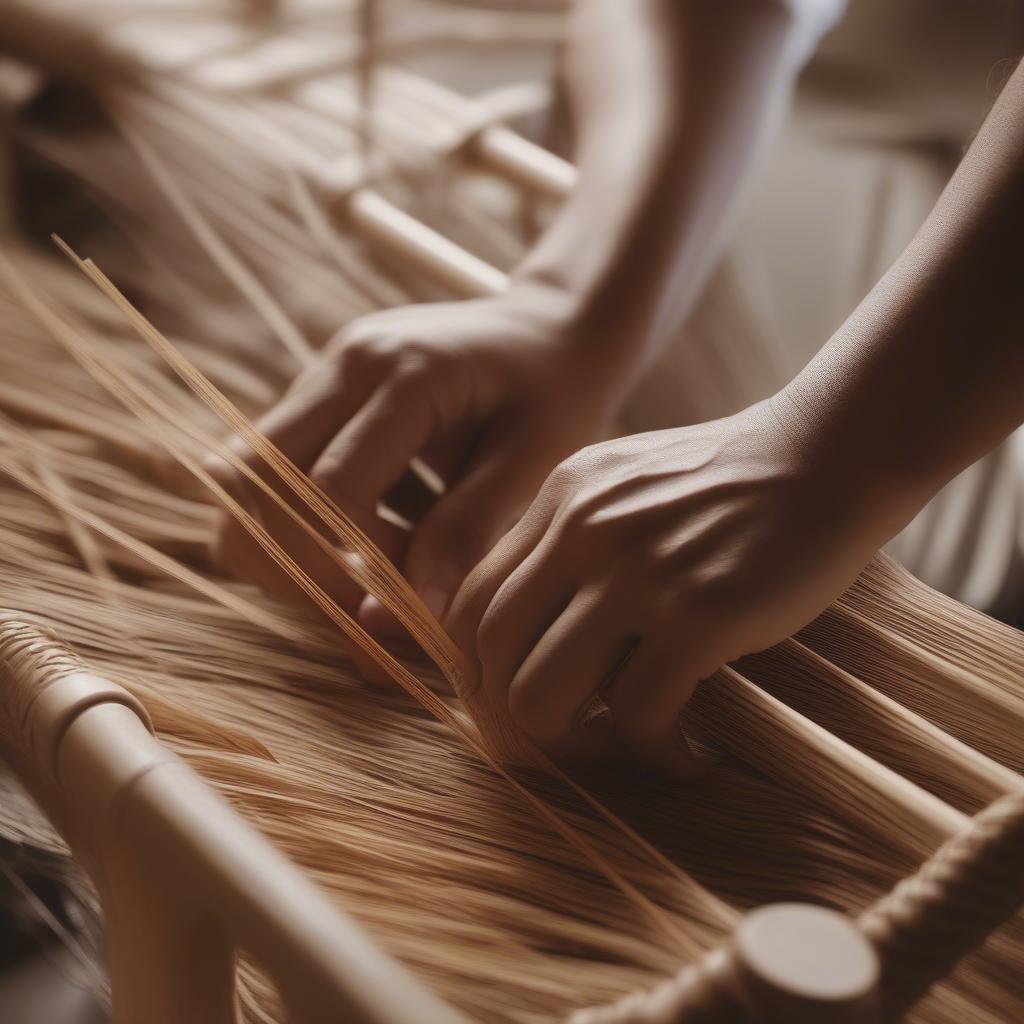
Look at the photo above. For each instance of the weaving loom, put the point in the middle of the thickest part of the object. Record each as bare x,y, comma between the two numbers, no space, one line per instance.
225,182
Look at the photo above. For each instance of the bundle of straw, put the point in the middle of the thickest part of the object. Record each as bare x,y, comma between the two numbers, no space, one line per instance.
229,209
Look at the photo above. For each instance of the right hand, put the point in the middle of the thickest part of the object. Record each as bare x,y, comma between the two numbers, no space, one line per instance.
490,393
647,562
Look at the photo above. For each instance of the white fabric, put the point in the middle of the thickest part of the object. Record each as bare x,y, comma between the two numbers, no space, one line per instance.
881,117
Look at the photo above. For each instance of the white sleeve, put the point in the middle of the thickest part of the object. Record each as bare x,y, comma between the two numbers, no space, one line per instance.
813,19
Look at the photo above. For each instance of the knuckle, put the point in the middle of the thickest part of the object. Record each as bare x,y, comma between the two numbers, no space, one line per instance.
572,473
714,588
325,473
582,519
572,466
355,332
561,479
413,366
358,348
580,514
593,457
355,354
493,624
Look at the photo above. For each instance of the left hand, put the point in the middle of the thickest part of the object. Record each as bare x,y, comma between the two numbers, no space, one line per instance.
648,562
489,393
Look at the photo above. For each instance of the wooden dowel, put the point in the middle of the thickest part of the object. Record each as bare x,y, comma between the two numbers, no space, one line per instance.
887,730
374,217
404,237
988,777
189,883
789,962
509,154
790,748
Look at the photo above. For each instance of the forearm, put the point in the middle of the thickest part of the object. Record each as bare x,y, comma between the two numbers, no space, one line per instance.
673,100
928,374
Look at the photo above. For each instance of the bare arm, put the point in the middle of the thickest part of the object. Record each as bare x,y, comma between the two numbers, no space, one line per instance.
672,100
928,374
648,562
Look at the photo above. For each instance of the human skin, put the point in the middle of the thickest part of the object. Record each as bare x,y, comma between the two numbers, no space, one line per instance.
647,562
672,101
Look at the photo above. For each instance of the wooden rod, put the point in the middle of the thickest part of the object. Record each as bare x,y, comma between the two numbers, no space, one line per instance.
186,882
987,777
522,161
760,729
406,238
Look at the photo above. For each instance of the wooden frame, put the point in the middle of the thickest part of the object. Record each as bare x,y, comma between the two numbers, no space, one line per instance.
185,885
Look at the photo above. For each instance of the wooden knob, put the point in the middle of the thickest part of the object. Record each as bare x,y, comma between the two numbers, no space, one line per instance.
794,962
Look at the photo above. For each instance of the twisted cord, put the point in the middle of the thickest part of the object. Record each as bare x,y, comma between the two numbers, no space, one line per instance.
699,994
932,919
31,659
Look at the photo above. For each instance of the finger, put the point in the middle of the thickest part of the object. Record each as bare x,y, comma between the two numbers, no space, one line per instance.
250,562
555,686
245,557
371,453
375,618
526,605
308,415
646,698
299,425
369,671
474,596
465,523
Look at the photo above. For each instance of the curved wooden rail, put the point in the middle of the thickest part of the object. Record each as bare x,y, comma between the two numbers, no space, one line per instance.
184,882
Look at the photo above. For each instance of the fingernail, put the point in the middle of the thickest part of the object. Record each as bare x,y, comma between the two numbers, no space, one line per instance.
436,599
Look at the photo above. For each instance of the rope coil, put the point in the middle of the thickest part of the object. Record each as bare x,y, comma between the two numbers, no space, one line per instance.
31,659
44,687
934,918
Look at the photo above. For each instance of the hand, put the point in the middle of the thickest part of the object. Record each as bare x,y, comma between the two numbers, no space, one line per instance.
489,393
648,562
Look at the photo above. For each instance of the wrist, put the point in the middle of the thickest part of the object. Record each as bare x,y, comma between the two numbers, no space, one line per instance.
593,327
845,466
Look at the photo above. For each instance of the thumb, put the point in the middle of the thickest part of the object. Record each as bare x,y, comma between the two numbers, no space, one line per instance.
468,520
